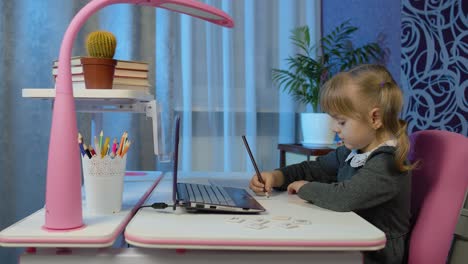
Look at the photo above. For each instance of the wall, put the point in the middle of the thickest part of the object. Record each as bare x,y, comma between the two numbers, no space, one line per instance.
378,21
434,67
426,44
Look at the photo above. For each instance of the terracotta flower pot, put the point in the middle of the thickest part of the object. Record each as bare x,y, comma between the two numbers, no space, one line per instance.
98,72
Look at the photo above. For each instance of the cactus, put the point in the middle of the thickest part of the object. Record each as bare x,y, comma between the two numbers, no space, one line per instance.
101,44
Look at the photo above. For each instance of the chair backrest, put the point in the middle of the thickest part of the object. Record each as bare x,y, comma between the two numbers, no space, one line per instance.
438,189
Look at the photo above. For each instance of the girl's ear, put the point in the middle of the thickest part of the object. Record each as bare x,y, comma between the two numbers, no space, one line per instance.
376,118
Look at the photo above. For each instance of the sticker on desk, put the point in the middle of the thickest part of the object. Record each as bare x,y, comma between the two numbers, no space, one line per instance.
260,221
262,197
288,225
281,217
235,219
301,222
255,226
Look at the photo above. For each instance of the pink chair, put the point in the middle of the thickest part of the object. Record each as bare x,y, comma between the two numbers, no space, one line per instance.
439,185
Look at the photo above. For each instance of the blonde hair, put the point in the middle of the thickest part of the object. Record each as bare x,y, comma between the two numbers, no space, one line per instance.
375,88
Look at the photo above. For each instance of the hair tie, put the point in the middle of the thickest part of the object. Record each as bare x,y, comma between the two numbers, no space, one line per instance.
382,84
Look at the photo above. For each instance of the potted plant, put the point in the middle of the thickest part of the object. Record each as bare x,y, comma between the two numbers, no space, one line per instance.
312,66
99,67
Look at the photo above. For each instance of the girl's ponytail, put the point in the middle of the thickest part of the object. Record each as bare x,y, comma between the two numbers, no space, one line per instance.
403,148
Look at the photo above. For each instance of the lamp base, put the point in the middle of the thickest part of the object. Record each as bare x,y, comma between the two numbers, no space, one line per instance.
48,229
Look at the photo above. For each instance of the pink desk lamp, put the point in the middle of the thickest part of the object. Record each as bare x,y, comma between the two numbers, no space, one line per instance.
63,189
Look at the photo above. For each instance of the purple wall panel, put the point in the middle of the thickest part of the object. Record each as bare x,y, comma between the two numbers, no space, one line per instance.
435,64
377,21
426,44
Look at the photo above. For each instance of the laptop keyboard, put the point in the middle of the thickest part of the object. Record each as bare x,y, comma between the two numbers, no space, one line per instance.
209,194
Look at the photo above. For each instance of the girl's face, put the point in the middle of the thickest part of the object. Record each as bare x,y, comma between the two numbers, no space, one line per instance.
355,133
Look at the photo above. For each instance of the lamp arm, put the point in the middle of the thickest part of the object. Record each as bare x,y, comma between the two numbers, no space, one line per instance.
63,207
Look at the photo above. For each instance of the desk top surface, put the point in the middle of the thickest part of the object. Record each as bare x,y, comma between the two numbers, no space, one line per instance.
99,230
289,223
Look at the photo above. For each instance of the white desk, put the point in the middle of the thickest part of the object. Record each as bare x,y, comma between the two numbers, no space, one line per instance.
99,231
331,237
326,230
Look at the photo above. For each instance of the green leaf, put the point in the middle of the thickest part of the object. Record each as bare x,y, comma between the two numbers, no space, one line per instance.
316,63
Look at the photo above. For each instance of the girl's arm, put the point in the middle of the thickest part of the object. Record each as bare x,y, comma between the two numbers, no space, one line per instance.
375,183
324,169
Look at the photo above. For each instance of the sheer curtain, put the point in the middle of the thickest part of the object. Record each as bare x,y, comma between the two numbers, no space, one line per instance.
217,79
220,82
30,36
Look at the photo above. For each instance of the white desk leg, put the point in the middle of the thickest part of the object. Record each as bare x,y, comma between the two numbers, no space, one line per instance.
168,256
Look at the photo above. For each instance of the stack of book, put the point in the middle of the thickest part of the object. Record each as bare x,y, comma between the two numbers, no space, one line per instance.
128,75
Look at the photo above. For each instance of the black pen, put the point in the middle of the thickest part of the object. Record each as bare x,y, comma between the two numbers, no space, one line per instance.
259,176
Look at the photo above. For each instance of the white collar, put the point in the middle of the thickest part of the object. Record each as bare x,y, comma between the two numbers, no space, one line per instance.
359,159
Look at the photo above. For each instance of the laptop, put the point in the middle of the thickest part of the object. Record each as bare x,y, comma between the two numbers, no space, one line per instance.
194,197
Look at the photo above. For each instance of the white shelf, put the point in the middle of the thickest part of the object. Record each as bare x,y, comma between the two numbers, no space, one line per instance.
107,100
100,96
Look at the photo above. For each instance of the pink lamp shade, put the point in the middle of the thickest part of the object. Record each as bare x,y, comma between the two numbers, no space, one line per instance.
63,188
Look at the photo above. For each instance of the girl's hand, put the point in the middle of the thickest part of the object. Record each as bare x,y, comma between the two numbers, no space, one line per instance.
294,187
270,178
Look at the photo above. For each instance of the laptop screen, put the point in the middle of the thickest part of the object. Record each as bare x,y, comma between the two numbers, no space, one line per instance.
199,197
176,161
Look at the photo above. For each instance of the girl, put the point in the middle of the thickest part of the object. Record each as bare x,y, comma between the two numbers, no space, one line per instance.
368,174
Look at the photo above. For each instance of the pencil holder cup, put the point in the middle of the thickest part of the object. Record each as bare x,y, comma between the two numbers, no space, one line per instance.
103,184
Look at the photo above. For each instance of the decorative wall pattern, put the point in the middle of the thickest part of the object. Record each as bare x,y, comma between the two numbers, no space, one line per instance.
434,67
